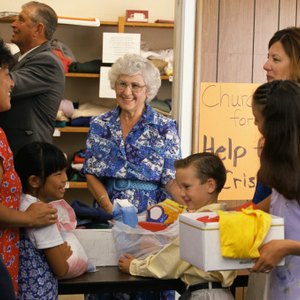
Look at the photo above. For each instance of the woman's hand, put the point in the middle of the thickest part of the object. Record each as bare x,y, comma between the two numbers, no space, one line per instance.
124,262
40,214
173,189
271,254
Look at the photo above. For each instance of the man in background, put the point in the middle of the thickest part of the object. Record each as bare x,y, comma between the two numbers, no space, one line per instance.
38,76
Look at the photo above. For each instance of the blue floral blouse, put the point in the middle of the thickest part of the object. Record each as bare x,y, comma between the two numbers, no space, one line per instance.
147,154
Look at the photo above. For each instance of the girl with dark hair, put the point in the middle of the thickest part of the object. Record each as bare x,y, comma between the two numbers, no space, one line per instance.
276,109
283,63
43,253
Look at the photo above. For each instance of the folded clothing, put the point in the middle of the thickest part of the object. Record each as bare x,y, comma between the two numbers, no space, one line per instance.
89,109
242,232
83,211
92,66
81,122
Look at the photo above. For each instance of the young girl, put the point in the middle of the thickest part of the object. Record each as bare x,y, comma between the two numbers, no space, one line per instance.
43,252
200,177
276,108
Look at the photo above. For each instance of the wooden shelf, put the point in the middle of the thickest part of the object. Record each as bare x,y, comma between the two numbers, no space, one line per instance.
152,25
76,185
73,129
82,75
10,19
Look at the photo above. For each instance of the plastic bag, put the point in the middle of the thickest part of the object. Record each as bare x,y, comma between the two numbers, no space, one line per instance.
141,242
66,222
78,261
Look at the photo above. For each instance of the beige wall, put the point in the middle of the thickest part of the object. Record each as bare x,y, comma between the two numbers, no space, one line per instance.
107,10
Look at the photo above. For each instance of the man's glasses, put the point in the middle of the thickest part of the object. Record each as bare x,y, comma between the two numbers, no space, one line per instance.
122,85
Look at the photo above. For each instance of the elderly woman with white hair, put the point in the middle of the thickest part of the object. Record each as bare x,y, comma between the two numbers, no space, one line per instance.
131,150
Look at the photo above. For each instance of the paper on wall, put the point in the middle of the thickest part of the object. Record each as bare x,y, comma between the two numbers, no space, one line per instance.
118,44
105,91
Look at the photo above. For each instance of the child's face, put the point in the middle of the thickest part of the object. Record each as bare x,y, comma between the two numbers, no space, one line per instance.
194,193
258,118
54,187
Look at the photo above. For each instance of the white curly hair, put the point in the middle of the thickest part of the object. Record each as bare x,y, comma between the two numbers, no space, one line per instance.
134,64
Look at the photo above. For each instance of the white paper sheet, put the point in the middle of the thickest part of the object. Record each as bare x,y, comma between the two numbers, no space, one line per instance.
118,44
105,90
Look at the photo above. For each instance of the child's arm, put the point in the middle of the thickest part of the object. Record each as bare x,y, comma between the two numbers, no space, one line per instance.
57,259
164,264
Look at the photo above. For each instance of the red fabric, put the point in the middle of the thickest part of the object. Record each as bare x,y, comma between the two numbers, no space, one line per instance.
65,61
78,160
10,192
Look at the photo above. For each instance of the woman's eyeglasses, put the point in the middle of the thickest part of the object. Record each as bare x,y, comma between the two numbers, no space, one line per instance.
135,87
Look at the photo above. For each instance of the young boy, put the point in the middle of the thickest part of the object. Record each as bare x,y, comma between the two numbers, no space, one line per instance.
200,177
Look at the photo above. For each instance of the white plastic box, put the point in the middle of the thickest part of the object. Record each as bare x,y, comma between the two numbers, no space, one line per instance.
200,243
99,246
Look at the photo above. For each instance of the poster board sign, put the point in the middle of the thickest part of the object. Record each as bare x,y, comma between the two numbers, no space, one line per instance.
227,128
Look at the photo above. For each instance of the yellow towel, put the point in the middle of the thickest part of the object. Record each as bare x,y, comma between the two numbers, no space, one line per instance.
242,232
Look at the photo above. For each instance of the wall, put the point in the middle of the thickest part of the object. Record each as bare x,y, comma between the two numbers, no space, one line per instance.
107,10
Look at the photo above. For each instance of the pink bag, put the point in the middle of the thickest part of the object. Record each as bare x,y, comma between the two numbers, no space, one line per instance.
66,222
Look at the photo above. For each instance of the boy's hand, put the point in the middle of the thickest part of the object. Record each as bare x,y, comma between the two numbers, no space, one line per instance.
124,262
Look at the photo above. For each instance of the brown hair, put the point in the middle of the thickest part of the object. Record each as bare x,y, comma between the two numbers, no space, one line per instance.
208,165
290,40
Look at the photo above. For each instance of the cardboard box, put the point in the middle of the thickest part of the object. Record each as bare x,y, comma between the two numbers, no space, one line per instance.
140,16
99,246
200,243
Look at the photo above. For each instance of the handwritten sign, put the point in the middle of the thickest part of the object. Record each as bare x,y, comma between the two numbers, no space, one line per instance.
227,128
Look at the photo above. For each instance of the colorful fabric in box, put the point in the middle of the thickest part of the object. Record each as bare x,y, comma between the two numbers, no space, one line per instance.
242,232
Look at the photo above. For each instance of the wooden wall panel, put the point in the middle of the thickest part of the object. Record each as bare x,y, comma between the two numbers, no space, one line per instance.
298,14
266,24
209,41
287,16
235,41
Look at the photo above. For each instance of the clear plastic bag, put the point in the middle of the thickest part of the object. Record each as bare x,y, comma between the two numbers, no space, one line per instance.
141,242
